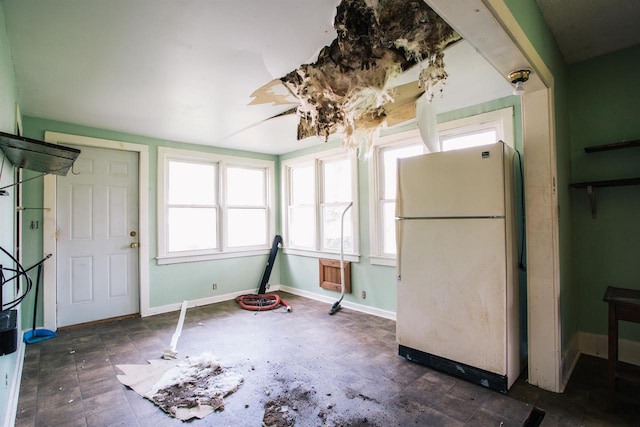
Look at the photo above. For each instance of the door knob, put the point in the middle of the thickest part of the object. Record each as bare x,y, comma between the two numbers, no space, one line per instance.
133,245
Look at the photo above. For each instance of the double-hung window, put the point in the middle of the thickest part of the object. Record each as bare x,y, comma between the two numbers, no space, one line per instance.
192,207
337,193
212,206
382,199
301,212
316,191
247,209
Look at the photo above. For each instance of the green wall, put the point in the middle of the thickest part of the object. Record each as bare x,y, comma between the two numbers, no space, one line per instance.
604,97
8,99
379,282
168,284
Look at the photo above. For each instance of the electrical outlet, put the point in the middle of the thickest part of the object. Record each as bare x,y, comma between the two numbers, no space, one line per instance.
215,286
364,294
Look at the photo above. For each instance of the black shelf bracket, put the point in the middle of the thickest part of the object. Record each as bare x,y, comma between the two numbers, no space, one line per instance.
592,185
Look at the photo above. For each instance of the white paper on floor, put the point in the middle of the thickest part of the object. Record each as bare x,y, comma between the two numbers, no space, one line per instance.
189,388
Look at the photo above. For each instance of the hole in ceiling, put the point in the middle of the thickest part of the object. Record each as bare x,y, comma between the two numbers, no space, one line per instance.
346,90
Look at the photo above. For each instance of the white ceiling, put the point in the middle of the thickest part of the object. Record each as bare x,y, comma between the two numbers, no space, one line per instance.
585,29
185,70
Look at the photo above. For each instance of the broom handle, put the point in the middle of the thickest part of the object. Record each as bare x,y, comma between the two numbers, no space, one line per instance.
35,302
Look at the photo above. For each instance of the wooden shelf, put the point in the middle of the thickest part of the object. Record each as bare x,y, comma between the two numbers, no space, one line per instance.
592,185
614,146
607,183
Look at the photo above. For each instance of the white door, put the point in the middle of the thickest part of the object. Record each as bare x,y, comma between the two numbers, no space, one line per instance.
97,228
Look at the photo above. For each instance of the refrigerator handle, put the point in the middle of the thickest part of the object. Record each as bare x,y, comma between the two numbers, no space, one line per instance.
399,215
398,248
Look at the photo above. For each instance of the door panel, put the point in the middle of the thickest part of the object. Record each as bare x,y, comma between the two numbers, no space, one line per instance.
97,209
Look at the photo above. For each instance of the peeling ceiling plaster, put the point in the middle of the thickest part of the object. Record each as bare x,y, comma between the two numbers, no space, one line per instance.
185,71
346,89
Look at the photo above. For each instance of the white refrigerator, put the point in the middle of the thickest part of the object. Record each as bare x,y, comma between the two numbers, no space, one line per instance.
457,290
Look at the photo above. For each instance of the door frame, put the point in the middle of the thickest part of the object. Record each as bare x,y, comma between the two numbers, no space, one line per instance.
49,226
492,29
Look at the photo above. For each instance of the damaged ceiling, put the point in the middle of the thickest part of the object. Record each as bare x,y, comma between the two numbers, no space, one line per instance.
346,89
186,71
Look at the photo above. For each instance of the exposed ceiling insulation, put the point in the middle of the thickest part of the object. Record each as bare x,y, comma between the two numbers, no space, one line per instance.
346,89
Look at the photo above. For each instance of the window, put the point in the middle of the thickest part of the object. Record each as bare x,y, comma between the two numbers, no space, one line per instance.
337,192
480,129
302,210
382,179
470,139
486,128
318,189
212,206
246,207
192,210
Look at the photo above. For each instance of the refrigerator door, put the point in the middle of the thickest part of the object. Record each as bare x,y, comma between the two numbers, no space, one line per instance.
452,290
459,183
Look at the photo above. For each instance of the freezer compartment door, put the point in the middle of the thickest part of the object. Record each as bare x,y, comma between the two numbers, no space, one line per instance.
451,299
458,183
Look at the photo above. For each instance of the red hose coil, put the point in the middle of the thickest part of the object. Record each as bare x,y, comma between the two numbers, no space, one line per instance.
263,302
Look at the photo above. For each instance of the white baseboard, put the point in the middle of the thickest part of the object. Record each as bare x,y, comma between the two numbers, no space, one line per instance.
199,302
597,345
569,360
9,418
220,298
330,300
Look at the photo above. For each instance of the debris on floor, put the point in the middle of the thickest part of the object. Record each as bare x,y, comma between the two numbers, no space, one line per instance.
189,388
277,414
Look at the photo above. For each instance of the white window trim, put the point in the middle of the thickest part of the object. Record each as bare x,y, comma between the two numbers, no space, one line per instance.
375,221
500,120
223,161
316,159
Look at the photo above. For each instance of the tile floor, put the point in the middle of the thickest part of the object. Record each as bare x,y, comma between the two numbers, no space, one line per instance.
340,370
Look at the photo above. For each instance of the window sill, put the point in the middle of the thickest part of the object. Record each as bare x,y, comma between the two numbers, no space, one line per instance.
209,257
325,255
381,260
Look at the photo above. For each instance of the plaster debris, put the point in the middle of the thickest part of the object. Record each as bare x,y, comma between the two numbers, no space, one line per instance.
346,90
277,414
191,388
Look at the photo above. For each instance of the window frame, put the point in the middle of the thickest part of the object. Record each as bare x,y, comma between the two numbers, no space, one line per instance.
499,120
166,154
316,160
167,206
376,223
